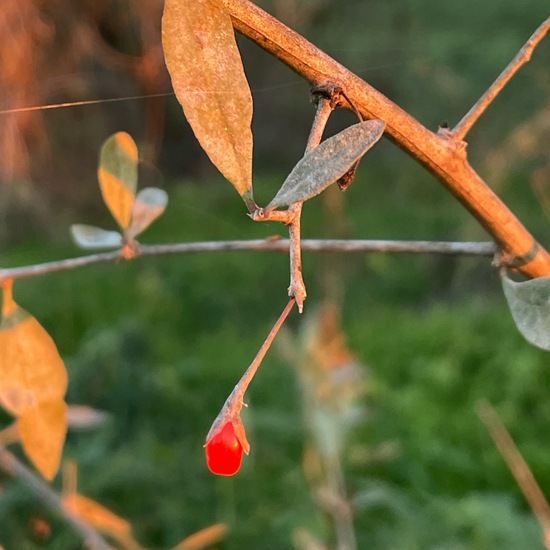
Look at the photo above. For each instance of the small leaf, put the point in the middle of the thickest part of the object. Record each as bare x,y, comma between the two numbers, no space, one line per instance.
97,515
150,204
89,236
209,81
31,370
82,417
117,174
42,430
328,162
529,303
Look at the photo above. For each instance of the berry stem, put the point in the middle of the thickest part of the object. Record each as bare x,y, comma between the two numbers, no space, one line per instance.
246,378
234,403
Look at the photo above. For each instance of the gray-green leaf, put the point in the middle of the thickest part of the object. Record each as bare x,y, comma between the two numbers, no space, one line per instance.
89,236
328,162
529,303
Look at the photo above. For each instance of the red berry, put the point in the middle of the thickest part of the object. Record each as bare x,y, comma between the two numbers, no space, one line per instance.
224,452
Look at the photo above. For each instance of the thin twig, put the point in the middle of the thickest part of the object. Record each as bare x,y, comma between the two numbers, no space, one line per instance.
523,56
297,288
324,110
335,501
444,157
15,469
258,245
519,468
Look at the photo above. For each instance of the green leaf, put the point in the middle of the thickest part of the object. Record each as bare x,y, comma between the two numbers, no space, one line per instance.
89,236
117,174
150,204
328,162
209,81
529,303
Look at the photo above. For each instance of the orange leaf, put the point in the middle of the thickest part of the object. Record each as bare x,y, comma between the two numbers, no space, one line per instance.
42,430
203,538
209,81
31,370
117,174
97,515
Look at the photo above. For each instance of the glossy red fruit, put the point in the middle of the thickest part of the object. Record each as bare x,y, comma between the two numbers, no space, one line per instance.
224,452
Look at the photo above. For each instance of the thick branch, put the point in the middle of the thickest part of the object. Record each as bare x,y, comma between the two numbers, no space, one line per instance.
441,154
277,244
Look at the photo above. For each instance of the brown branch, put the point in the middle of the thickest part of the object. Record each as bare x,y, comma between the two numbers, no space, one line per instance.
523,56
15,469
297,288
442,155
270,244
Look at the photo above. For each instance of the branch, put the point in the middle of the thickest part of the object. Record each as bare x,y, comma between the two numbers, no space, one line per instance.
523,56
269,244
15,469
442,155
297,288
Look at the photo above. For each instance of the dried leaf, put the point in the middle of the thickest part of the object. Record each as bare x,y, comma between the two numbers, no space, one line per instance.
328,162
209,81
150,204
203,538
97,515
31,370
42,430
89,236
117,174
529,303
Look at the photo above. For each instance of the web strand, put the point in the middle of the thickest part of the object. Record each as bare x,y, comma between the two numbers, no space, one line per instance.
79,103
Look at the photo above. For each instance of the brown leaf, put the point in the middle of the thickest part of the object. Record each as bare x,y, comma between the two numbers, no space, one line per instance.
97,515
42,430
31,370
209,81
